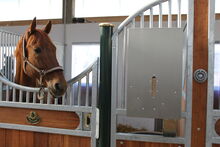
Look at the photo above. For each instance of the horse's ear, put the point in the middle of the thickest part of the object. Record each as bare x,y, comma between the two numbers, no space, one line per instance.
47,28
32,26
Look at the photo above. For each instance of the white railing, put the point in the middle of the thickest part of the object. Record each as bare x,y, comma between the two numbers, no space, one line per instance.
8,42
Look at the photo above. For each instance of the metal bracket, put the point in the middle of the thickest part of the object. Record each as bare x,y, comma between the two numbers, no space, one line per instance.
200,75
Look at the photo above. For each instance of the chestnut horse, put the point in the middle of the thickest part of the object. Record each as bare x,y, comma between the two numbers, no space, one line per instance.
36,62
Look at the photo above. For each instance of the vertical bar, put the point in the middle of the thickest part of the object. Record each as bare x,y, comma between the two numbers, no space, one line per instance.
211,55
11,59
122,76
48,97
87,89
133,23
151,23
64,99
104,103
1,36
34,97
8,56
115,98
142,20
3,48
160,15
179,19
79,93
71,94
7,93
14,95
27,97
190,33
20,95
41,101
170,14
1,91
56,101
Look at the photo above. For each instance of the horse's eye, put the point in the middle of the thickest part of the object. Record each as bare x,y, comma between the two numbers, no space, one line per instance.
37,50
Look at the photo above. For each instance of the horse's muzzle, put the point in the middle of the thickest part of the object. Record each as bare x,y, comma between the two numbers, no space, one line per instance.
58,89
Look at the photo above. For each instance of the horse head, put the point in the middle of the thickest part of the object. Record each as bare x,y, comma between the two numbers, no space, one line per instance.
37,55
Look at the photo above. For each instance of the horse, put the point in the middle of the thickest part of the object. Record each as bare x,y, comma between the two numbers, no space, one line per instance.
36,62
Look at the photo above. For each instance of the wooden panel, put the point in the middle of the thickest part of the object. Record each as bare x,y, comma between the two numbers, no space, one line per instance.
85,142
122,143
74,141
55,140
12,138
2,137
26,139
56,119
41,140
216,145
200,60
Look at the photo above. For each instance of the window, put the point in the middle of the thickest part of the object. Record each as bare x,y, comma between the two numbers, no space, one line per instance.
28,9
83,55
96,8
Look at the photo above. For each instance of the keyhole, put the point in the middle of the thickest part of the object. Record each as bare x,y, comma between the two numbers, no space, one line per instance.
153,86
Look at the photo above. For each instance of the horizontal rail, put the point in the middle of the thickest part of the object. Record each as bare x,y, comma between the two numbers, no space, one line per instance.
46,129
17,86
149,138
83,74
47,106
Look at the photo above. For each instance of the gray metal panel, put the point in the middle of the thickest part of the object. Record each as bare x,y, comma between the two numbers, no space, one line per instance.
154,53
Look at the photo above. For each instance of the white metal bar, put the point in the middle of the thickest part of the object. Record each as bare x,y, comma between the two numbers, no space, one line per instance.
170,14
11,59
46,129
72,92
34,97
150,138
3,52
20,95
79,93
14,95
151,22
133,23
1,91
179,19
64,99
142,20
7,93
41,101
114,86
95,83
190,21
160,15
27,97
48,98
46,107
56,101
87,89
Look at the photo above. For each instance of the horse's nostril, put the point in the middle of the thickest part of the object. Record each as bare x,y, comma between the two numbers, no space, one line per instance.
58,86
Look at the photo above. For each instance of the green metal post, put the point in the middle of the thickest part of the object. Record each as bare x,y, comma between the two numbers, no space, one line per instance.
104,101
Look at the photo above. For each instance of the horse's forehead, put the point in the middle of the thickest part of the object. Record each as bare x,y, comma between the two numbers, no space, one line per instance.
41,39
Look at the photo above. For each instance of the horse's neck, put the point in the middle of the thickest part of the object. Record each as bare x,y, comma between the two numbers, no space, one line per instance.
20,77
